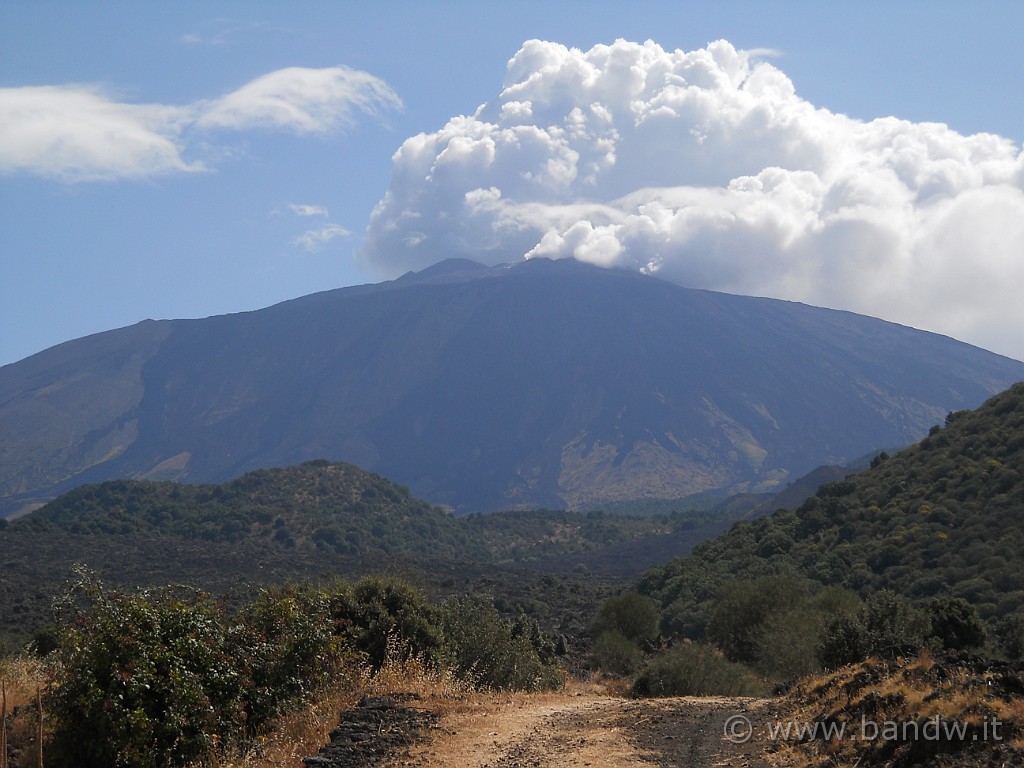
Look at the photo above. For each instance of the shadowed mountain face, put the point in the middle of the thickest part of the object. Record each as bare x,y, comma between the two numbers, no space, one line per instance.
545,383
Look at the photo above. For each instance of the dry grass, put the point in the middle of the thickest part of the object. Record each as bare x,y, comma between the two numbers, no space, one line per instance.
294,736
900,691
23,678
302,733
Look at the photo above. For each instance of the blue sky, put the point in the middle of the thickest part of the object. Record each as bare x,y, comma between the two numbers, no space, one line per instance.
243,204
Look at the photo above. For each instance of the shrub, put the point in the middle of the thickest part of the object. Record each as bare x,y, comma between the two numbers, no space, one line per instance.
788,642
284,646
886,625
614,652
789,639
494,653
632,615
381,615
1011,636
147,682
956,623
693,669
156,679
737,617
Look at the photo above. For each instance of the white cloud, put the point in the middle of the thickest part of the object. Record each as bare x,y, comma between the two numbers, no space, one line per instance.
707,168
79,133
301,100
316,239
307,210
190,38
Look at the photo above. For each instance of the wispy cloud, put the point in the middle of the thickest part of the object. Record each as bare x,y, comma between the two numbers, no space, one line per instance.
191,38
307,210
79,133
76,133
317,239
707,168
301,100
222,31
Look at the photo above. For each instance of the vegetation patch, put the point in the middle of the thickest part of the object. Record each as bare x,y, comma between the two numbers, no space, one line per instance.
939,520
169,677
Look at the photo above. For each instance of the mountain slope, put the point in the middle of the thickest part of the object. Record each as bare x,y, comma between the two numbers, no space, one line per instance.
542,384
945,516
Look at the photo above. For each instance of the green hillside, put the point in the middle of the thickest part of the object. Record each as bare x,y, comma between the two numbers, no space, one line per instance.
336,509
331,507
322,520
943,517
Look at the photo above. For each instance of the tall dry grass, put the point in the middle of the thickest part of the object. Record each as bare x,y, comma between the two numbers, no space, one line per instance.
23,725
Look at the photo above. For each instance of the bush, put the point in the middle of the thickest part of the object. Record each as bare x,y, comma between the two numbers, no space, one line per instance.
630,614
1011,636
614,652
492,653
741,608
788,640
156,679
380,614
284,646
147,682
693,669
886,625
955,623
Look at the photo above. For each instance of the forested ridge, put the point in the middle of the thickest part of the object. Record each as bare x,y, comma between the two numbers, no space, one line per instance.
942,517
321,520
337,508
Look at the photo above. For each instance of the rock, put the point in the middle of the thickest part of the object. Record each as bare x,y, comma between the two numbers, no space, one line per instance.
372,732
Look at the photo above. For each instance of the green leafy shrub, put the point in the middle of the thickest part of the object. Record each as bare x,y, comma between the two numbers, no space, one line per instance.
285,646
148,682
614,652
694,669
630,614
1011,636
955,623
156,679
886,625
741,608
381,615
495,653
788,639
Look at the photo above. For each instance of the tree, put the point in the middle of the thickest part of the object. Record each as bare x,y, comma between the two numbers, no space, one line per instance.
886,625
738,615
632,615
956,623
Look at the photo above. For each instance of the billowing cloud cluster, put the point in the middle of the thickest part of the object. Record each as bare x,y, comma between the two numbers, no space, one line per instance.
81,133
707,168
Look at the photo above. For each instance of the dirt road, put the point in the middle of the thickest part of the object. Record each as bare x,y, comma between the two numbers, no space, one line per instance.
590,729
